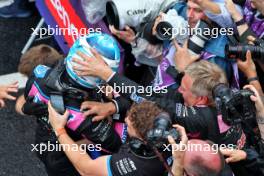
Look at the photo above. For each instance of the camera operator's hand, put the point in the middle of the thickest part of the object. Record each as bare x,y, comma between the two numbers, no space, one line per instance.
251,40
57,120
254,41
208,5
178,151
100,110
128,35
182,56
259,107
259,5
256,98
248,66
233,155
5,93
157,21
230,5
92,66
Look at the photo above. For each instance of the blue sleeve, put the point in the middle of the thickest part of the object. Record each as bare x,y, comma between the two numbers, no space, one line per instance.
224,19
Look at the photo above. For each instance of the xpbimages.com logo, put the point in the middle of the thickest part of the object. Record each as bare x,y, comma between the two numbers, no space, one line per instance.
206,147
206,31
59,31
125,89
44,147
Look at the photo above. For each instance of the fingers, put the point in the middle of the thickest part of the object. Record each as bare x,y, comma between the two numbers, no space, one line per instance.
229,153
252,88
66,114
9,97
82,73
83,56
2,103
49,107
80,68
171,140
12,89
86,105
161,14
82,65
248,56
251,39
157,20
90,112
229,160
225,151
195,58
51,110
253,98
184,138
113,30
116,32
129,29
91,106
13,85
98,118
96,54
177,46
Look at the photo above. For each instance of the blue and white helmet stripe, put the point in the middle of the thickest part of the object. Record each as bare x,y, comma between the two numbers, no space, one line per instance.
104,44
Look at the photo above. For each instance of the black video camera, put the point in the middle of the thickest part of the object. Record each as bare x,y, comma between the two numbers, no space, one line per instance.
239,51
162,128
235,107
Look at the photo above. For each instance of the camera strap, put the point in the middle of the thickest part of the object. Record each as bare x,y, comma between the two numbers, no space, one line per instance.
233,40
161,158
254,139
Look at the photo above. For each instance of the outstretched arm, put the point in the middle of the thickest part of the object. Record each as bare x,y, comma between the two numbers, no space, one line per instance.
81,161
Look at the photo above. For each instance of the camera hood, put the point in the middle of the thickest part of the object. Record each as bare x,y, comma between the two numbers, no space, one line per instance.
112,14
135,13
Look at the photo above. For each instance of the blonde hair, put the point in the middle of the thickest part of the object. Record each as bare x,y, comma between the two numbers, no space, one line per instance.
205,76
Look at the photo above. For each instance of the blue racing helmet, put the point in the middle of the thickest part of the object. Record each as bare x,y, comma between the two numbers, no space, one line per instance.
104,44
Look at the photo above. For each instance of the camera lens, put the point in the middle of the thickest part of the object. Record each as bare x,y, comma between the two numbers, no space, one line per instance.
235,52
223,92
240,51
197,41
164,31
162,121
257,52
147,34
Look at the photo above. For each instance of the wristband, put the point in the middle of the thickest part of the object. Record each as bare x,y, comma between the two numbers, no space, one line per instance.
252,79
240,22
60,132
